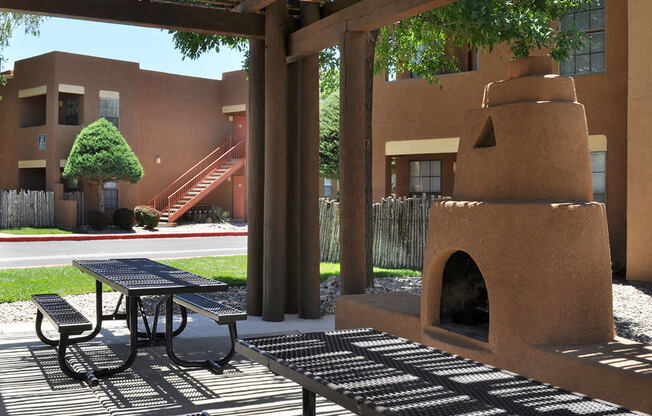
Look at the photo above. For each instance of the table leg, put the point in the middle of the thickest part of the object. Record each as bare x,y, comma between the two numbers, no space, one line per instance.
93,376
309,404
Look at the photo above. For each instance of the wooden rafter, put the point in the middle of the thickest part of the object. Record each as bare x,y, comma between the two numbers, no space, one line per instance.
146,13
252,6
365,15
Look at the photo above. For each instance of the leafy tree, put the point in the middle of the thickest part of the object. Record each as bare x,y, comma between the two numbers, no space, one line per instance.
419,44
100,154
9,23
329,135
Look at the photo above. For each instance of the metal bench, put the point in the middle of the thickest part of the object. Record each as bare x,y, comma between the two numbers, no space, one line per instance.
376,374
67,321
221,314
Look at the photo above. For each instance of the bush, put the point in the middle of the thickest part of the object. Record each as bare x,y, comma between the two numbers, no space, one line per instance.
147,217
97,220
123,218
218,215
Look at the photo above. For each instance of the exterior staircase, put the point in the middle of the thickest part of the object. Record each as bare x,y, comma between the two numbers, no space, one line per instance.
191,187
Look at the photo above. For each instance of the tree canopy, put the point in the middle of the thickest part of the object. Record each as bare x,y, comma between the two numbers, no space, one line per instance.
100,154
420,44
329,135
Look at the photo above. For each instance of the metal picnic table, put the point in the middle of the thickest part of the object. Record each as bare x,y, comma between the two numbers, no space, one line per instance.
134,278
373,373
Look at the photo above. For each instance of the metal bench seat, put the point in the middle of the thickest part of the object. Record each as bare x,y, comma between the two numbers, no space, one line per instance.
65,318
220,313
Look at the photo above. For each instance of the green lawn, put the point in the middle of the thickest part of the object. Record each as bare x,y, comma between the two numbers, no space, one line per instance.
32,230
20,284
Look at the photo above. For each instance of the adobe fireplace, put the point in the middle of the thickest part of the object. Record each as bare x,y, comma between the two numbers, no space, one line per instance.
521,254
517,269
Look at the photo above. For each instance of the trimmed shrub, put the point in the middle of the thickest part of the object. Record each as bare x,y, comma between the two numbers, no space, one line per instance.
147,217
97,220
123,218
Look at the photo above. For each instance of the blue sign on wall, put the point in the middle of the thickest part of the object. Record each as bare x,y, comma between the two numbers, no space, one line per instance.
41,141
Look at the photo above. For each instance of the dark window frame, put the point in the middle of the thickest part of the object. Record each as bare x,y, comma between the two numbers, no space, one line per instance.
594,52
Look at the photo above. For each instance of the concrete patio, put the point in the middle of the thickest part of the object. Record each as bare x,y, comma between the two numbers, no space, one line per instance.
32,382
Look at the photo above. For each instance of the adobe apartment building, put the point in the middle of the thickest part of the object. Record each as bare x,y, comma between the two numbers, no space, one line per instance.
417,125
170,121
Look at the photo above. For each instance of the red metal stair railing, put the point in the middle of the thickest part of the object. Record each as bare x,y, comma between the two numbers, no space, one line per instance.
160,201
232,160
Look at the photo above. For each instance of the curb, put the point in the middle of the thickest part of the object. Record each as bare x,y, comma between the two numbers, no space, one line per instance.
84,237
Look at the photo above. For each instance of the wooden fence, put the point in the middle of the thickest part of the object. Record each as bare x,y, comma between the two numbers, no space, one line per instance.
26,209
400,227
81,208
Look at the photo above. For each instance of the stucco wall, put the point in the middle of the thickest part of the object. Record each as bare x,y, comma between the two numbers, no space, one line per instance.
413,109
175,117
639,174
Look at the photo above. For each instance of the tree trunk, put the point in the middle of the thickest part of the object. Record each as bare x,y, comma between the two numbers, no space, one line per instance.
100,196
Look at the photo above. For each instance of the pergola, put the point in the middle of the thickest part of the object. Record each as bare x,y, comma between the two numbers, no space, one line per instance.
283,115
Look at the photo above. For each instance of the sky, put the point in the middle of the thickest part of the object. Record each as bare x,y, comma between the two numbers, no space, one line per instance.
152,48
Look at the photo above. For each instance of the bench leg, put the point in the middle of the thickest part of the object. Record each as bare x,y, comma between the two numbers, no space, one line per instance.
215,365
91,335
93,376
309,405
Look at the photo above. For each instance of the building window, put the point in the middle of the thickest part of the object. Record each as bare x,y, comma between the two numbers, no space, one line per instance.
599,174
425,177
591,58
111,195
328,187
110,110
69,108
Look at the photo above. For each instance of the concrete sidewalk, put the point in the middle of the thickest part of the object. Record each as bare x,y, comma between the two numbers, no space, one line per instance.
31,381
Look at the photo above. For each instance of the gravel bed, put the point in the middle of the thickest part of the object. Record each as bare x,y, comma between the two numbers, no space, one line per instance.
632,303
180,228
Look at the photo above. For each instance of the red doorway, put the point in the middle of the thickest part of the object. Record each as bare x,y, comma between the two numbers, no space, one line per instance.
239,128
238,197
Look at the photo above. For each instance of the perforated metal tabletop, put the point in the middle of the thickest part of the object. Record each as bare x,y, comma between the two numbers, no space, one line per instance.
373,373
141,277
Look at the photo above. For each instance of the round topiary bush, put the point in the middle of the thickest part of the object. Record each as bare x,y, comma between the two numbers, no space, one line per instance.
147,217
123,218
97,220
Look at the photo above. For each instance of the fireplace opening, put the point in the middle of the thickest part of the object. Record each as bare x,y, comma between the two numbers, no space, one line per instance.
464,306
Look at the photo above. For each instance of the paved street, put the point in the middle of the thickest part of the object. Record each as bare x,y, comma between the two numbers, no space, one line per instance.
63,252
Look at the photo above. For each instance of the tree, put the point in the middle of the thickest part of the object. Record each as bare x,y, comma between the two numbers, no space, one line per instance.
99,155
329,135
9,23
419,44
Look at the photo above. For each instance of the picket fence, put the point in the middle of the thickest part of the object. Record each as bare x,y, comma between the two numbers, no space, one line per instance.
400,227
26,209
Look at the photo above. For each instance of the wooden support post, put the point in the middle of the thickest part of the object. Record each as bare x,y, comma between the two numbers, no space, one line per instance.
308,149
292,291
255,176
353,162
275,247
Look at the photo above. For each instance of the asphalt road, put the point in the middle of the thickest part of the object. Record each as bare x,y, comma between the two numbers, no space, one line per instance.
63,252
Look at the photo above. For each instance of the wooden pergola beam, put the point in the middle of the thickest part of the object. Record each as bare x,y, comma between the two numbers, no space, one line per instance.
146,13
363,16
251,6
